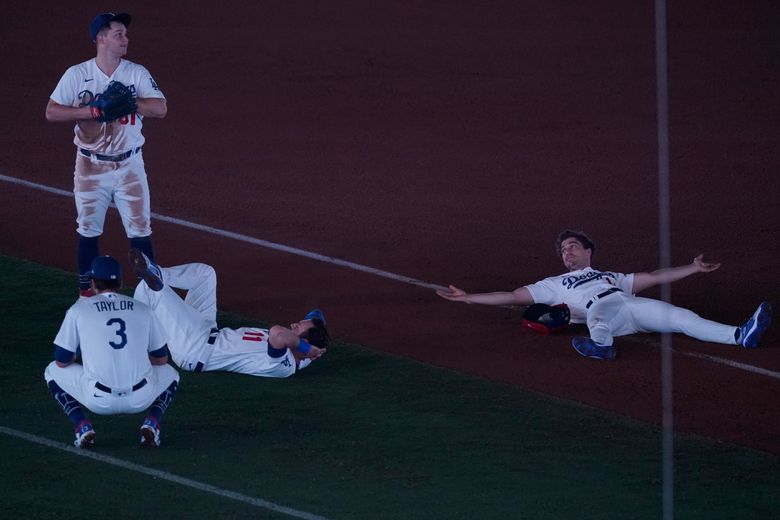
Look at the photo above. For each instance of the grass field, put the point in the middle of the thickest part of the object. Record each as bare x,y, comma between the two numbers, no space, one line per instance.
357,435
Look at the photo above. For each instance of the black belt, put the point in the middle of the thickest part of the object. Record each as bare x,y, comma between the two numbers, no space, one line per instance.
212,339
600,296
114,158
140,384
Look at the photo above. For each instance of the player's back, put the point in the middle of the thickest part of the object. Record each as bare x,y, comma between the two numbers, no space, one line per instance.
114,333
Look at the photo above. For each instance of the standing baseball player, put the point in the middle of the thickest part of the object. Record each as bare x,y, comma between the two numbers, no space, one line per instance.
124,367
605,301
108,98
195,342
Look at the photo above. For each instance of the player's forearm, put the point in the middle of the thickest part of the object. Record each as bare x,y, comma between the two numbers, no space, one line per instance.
282,337
152,107
644,281
672,274
493,298
57,113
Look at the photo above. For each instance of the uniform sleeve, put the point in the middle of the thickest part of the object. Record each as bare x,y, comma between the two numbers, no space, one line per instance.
625,282
145,85
544,292
68,336
66,91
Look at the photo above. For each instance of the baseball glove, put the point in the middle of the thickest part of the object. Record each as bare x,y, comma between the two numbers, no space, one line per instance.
114,102
544,319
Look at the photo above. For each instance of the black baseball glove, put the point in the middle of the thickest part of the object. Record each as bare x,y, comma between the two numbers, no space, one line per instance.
545,319
114,102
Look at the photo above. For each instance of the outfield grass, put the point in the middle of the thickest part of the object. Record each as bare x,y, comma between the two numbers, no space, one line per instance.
358,434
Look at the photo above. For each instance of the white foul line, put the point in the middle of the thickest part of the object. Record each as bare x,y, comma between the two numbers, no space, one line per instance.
249,240
257,502
344,263
733,364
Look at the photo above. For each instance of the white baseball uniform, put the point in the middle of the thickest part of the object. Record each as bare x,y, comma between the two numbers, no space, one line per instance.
109,162
194,341
605,302
115,334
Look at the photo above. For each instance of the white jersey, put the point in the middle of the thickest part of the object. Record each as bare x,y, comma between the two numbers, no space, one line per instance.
190,326
576,289
245,350
116,334
79,86
620,312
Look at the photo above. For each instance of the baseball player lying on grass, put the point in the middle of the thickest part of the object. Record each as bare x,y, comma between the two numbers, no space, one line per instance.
605,301
124,359
195,342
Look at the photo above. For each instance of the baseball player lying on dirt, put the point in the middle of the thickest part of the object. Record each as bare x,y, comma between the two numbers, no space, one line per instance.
195,342
605,301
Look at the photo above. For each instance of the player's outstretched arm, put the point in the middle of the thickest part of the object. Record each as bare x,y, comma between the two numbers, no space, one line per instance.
644,281
520,296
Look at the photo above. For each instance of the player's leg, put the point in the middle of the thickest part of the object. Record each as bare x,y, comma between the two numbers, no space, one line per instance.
200,282
650,315
187,331
87,249
165,377
133,201
604,315
84,432
92,188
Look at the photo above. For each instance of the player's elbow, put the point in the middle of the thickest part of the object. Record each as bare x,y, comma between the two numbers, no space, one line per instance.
158,360
51,111
161,109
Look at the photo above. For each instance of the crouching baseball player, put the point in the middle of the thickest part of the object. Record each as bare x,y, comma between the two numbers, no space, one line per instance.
124,358
605,301
195,342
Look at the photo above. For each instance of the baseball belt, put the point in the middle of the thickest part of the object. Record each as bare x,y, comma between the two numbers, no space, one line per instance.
601,295
212,339
113,158
140,384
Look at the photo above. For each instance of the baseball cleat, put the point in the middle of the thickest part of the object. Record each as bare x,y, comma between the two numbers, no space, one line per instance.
85,435
750,333
150,433
315,314
589,348
145,269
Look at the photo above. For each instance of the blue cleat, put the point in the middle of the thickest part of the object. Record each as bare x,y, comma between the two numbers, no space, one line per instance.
85,435
145,269
589,348
150,432
750,333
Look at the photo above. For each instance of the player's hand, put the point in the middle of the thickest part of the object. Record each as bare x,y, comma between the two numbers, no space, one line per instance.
704,267
453,294
315,352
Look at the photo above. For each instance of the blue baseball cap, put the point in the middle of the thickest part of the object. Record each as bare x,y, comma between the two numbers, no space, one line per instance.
105,268
316,314
102,20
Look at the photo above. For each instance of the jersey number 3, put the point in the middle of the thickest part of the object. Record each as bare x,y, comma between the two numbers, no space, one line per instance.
119,332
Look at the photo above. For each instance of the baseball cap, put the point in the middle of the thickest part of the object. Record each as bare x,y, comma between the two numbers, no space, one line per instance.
105,268
104,19
315,314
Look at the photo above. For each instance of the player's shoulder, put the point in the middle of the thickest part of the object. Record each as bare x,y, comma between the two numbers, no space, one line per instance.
85,68
132,67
